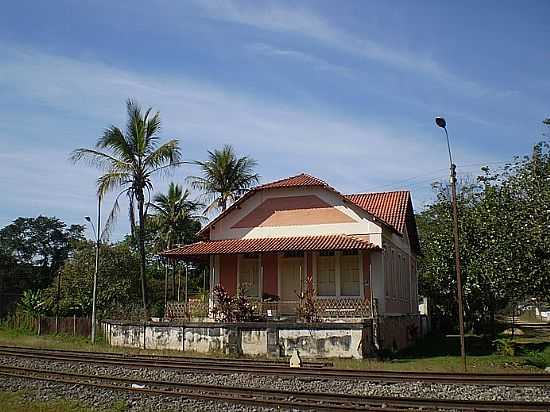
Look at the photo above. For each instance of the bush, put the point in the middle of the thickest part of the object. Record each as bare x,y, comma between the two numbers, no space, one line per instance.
229,308
537,359
505,347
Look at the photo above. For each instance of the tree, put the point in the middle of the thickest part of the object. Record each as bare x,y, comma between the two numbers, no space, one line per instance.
174,213
225,177
34,304
505,250
118,286
132,158
42,243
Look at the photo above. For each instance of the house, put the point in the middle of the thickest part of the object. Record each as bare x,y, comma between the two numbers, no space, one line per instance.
358,251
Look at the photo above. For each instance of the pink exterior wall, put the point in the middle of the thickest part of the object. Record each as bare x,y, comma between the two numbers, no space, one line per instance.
366,276
293,210
269,264
228,272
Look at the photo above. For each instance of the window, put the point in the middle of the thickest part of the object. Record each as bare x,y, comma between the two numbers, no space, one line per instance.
350,274
249,270
326,273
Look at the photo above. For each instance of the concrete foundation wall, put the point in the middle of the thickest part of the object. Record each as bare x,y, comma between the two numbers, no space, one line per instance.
274,339
336,343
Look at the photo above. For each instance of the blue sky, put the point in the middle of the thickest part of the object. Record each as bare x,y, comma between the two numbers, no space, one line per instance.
346,91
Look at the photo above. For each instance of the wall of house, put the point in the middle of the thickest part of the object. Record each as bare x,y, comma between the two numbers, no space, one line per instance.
399,276
269,268
343,216
228,272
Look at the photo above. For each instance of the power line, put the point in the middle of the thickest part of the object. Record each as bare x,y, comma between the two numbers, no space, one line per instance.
431,176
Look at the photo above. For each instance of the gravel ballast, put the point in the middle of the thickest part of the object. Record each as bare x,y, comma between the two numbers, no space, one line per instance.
354,387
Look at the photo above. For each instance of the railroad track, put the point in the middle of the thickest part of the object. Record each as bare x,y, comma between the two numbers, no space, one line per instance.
269,368
268,397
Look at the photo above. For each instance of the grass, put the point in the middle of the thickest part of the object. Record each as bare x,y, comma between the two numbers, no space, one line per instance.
22,401
441,354
531,352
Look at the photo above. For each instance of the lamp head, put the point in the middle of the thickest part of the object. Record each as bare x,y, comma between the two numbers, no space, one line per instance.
88,219
440,121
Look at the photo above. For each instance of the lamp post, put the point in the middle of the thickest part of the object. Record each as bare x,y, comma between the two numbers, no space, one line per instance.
440,122
98,240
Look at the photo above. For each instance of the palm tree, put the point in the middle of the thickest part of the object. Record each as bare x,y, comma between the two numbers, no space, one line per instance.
173,211
132,158
225,177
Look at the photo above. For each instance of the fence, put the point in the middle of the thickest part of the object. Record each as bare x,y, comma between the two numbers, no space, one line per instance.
68,325
330,308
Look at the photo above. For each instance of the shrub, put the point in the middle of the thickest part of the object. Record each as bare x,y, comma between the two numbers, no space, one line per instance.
505,347
224,305
229,308
307,309
537,359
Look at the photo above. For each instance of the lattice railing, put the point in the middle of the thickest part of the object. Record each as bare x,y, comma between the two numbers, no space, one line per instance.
195,308
327,308
334,308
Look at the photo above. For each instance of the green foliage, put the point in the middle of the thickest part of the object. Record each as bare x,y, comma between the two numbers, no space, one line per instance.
229,308
32,250
117,286
131,159
33,303
538,359
505,347
176,219
504,246
225,177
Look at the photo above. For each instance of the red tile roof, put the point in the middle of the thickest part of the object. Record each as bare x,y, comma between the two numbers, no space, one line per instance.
303,179
391,207
281,244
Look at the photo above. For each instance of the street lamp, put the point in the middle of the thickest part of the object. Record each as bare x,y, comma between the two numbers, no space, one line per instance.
98,240
440,122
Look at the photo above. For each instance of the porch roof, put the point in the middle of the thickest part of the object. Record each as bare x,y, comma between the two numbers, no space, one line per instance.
279,244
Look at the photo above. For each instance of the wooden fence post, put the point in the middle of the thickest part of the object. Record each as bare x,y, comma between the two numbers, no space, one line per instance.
74,325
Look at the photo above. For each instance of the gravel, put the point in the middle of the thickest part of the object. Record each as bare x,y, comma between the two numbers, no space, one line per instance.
104,398
355,387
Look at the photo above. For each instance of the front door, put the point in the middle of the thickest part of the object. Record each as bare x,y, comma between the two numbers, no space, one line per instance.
292,273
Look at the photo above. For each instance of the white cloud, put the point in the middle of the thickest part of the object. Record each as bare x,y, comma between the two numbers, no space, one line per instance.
279,18
351,154
300,56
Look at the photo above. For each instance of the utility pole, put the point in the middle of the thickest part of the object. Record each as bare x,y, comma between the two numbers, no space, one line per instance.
98,243
440,121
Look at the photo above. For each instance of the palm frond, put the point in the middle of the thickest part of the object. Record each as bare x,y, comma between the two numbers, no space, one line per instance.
111,220
98,159
168,154
111,181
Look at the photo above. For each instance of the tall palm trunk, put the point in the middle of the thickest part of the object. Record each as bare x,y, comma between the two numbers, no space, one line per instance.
141,244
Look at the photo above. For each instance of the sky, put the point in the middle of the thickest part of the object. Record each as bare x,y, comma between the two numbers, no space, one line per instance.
346,91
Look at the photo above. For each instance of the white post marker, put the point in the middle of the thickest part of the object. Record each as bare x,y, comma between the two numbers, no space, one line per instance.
295,360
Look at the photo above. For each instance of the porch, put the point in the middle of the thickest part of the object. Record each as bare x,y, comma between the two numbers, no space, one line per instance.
275,273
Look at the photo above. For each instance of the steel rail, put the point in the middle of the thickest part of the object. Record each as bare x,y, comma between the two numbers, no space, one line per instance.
269,397
163,358
250,367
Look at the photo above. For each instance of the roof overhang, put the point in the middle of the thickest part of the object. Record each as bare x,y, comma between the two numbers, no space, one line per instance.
280,244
